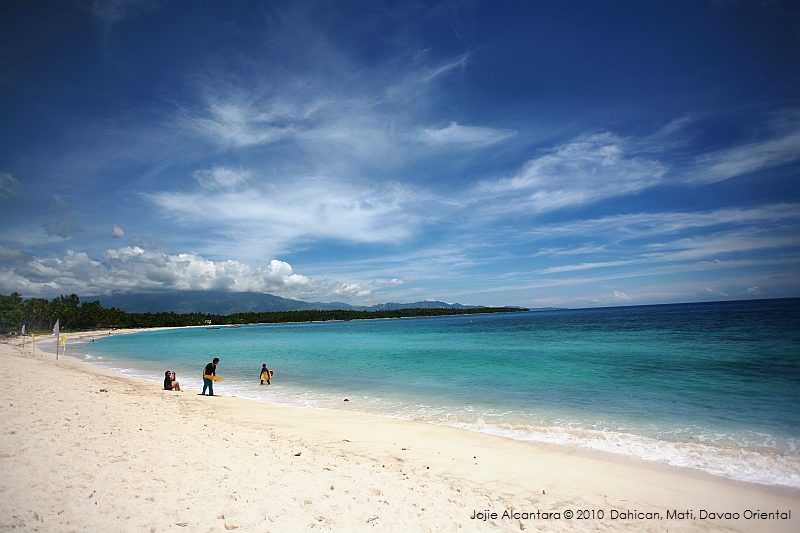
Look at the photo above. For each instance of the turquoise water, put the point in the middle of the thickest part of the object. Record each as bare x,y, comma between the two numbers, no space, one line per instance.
709,386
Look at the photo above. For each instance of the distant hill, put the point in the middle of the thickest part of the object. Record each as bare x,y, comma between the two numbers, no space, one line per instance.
226,303
391,306
214,302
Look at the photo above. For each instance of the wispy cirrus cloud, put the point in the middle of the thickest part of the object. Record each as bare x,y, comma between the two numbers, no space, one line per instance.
467,136
221,177
586,170
9,185
781,146
549,262
730,238
281,216
692,251
594,167
649,225
724,244
245,121
329,97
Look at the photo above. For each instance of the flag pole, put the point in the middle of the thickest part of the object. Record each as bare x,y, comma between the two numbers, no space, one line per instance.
56,331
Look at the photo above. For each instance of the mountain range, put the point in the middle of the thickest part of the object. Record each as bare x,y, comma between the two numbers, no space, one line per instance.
226,303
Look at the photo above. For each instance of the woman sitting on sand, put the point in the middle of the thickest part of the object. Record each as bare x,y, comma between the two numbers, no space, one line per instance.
170,383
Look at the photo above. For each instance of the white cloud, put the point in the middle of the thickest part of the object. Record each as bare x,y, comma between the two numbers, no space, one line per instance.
586,170
9,185
465,135
277,217
117,232
383,283
350,290
713,292
622,296
755,291
133,269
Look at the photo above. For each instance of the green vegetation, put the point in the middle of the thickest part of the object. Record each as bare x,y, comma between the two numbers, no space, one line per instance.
11,311
41,314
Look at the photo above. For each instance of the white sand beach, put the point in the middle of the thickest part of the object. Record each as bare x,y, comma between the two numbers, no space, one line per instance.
84,449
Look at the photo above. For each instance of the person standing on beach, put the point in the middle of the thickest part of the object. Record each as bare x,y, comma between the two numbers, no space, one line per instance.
210,370
264,374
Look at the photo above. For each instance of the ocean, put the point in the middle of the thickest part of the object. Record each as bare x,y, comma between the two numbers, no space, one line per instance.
711,386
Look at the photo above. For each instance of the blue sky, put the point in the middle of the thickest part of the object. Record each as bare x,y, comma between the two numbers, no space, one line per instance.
523,153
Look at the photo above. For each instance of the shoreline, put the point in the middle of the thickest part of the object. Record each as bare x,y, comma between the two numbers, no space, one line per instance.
762,467
363,461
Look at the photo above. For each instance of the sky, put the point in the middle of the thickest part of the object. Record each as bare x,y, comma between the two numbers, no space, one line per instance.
537,153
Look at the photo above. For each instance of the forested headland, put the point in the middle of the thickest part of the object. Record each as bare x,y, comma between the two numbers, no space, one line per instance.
39,314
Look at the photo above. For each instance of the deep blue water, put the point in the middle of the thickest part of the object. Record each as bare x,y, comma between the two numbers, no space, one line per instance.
714,386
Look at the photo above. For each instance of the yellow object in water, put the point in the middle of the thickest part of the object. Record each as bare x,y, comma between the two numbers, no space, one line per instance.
267,377
213,378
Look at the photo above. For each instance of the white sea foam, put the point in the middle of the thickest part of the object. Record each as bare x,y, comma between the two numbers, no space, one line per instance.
734,463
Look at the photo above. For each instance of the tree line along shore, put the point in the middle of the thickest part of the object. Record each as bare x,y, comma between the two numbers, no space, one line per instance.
40,314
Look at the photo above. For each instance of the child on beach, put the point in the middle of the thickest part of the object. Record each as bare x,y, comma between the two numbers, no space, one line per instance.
264,374
170,383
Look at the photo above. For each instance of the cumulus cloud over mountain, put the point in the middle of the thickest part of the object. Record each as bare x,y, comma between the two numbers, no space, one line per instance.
133,269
